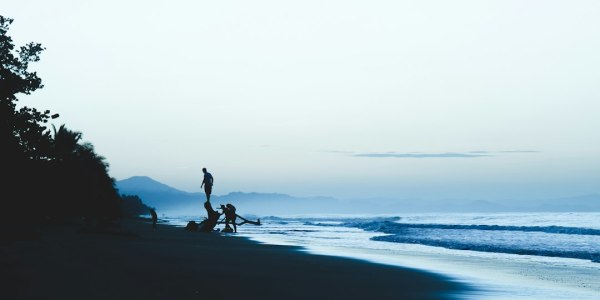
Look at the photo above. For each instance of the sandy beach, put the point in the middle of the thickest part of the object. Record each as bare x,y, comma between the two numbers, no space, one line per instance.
138,262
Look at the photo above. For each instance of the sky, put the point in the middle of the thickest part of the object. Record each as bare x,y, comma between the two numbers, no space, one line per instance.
423,99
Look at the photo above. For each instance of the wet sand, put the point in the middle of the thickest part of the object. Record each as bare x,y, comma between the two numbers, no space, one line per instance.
138,262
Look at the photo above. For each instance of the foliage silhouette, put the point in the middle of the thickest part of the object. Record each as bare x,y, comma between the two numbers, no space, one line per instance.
49,174
132,206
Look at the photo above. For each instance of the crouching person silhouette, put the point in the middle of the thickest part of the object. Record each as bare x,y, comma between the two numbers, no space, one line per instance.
230,217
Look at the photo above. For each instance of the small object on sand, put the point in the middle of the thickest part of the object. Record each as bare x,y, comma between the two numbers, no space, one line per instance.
191,226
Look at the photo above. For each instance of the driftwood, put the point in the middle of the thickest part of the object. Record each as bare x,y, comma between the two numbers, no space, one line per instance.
244,221
209,224
257,222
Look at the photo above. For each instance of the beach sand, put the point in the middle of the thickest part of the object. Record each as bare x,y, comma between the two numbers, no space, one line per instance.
139,262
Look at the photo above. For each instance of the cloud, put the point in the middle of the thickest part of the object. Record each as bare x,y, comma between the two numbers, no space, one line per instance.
519,151
423,155
469,154
337,151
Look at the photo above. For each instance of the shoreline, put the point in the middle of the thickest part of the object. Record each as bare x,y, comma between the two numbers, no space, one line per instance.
170,262
489,275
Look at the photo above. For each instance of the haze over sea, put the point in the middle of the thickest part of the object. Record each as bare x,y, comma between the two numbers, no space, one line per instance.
522,254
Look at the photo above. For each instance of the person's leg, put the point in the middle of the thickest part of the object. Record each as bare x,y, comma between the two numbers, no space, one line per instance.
207,190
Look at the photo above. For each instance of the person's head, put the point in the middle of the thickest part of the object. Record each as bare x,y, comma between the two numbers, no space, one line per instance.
203,170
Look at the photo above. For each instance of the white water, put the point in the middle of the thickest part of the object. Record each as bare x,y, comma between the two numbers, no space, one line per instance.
503,256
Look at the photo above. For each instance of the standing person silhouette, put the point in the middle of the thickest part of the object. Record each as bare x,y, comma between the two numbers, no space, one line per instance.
154,217
207,183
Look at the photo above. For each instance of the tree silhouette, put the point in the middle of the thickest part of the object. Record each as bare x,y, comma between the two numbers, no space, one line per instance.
65,143
48,174
25,139
22,129
81,181
132,206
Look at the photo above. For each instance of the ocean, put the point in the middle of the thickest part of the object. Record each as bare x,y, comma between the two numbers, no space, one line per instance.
500,255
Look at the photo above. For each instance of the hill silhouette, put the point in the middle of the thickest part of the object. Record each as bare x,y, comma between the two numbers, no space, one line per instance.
157,194
146,183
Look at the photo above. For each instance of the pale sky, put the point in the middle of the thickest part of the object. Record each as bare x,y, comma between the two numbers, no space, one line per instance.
432,99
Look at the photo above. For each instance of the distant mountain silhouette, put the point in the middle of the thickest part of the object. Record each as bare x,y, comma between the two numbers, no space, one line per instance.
167,198
145,183
157,194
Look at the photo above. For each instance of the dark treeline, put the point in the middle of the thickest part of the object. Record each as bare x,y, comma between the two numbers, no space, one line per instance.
132,205
48,173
